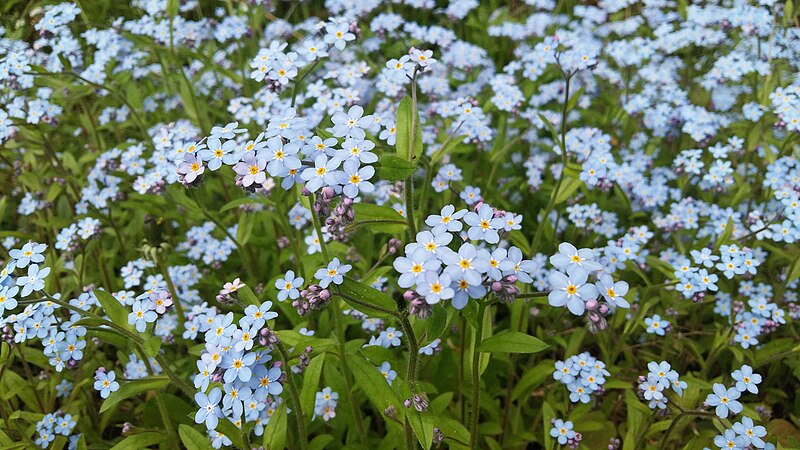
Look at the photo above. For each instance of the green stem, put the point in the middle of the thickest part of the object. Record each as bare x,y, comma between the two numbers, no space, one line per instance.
171,286
302,435
318,227
348,374
409,192
665,439
476,380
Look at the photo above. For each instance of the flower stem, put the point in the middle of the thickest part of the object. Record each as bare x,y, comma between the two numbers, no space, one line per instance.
476,380
348,374
302,435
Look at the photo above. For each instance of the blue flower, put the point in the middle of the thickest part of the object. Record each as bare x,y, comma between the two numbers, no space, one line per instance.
466,264
105,383
288,286
334,273
7,300
435,244
570,258
447,220
351,124
412,269
338,35
237,365
34,281
613,292
209,411
750,433
435,287
323,172
483,225
266,382
746,380
562,431
724,400
355,178
728,440
387,372
141,316
257,316
655,325
31,252
471,195
390,337
571,291
282,158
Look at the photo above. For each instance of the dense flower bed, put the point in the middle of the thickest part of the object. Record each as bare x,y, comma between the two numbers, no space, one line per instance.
457,224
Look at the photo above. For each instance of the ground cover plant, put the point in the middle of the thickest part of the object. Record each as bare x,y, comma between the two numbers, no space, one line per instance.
408,224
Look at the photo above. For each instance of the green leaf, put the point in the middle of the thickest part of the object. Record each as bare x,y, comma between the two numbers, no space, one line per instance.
637,414
320,442
788,13
133,387
311,378
381,219
141,440
422,425
192,438
226,427
368,295
115,310
152,346
567,188
795,272
725,236
512,342
245,228
393,168
275,431
531,380
247,297
553,133
235,203
573,99
294,339
448,146
370,381
409,141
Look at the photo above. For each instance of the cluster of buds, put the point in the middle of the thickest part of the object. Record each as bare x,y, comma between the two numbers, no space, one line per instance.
419,401
304,360
313,297
505,289
267,337
596,311
438,436
417,306
394,246
342,215
273,85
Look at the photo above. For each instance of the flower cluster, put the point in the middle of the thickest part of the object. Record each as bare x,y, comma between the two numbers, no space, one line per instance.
660,377
54,424
325,404
436,272
583,375
236,366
